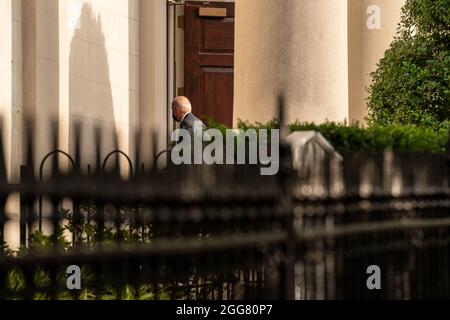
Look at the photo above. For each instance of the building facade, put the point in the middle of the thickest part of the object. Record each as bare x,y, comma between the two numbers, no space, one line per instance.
319,54
117,64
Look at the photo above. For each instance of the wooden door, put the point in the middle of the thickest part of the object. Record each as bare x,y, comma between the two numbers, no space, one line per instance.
209,59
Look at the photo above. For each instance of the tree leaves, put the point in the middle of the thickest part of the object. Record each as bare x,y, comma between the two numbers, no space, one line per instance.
411,84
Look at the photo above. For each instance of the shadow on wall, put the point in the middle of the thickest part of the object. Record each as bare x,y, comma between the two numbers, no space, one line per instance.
90,95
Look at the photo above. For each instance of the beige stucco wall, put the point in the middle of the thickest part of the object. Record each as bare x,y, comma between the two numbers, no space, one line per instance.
297,48
10,80
99,61
81,65
68,60
153,78
6,72
367,46
10,102
318,54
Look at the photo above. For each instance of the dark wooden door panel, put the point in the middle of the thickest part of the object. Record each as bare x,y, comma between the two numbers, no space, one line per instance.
218,94
218,60
209,61
218,36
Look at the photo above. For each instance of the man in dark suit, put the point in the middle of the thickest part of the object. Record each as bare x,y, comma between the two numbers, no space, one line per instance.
182,113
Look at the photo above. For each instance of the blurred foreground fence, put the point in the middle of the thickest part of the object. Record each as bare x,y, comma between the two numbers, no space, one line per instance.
226,232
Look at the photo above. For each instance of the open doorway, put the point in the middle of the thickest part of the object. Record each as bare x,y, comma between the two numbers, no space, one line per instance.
209,59
201,57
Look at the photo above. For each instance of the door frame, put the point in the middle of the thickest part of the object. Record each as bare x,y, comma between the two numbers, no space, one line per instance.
172,51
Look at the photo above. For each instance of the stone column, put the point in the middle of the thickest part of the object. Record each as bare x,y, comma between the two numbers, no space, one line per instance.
297,48
6,72
40,70
152,71
11,105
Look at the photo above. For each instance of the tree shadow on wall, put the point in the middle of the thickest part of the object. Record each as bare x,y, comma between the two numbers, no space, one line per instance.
90,96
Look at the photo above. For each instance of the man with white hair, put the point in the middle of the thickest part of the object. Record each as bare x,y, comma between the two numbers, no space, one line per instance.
182,113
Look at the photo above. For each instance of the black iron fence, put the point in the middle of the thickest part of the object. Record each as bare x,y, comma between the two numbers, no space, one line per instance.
389,210
226,232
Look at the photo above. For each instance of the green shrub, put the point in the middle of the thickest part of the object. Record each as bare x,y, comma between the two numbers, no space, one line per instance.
348,138
88,232
354,138
412,82
407,138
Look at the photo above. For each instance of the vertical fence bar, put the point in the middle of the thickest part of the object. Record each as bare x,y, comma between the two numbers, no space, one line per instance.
287,270
3,220
24,204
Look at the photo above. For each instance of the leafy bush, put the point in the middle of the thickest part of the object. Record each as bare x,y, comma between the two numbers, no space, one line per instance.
412,82
408,138
378,138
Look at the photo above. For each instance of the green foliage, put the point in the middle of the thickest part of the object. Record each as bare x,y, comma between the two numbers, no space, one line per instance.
5,249
348,138
245,125
407,138
412,82
88,237
240,134
213,124
354,137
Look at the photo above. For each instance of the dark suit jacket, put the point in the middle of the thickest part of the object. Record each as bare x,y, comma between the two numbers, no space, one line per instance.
188,123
